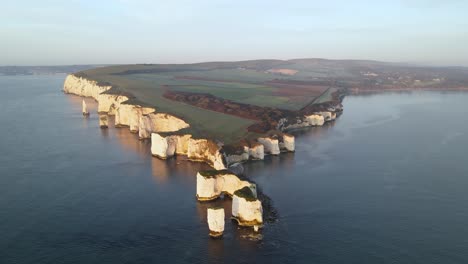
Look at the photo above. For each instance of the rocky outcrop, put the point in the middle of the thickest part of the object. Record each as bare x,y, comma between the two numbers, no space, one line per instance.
211,184
236,155
215,216
287,143
159,122
103,120
122,115
315,120
84,108
108,103
205,150
83,87
328,116
270,145
246,208
163,147
256,151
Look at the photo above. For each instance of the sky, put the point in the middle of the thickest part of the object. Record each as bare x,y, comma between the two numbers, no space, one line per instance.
60,32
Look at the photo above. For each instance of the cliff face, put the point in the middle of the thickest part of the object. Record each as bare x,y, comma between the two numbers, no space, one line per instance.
195,149
270,145
83,87
160,122
206,150
256,151
211,184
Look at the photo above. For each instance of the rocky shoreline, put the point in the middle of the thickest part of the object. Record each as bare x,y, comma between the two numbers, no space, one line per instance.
169,138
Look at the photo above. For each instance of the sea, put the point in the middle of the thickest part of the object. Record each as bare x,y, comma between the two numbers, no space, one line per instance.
387,182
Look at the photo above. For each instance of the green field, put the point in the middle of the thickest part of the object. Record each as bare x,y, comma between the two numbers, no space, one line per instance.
246,82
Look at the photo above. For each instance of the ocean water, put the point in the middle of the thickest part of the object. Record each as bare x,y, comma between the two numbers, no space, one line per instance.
386,183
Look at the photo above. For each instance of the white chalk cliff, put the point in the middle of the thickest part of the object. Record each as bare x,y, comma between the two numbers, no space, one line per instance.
83,87
270,145
211,184
195,149
287,143
315,120
159,122
256,151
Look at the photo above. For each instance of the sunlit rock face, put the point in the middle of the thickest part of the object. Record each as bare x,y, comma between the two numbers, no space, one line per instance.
83,87
256,151
144,130
270,145
108,103
182,144
328,116
205,150
215,217
159,122
211,184
134,118
84,109
163,147
103,120
122,115
246,208
287,143
315,120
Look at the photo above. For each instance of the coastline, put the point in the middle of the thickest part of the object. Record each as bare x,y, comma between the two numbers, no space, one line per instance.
170,136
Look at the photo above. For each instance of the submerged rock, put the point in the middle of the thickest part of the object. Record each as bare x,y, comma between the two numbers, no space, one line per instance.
216,221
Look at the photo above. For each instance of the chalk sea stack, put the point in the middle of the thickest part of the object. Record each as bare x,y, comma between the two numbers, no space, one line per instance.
103,120
247,208
215,216
84,108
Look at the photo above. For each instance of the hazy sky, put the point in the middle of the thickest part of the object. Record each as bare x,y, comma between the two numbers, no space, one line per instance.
48,32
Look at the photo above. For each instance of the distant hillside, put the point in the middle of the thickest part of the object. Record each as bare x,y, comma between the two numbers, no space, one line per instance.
40,70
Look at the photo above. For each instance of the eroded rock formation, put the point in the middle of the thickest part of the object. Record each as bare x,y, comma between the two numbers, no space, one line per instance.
246,208
83,87
270,145
215,216
103,120
159,122
211,184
